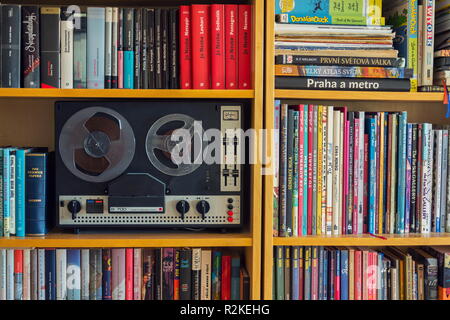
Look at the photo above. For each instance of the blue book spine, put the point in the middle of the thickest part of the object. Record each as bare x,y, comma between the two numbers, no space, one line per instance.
295,203
371,126
106,274
36,193
73,274
128,69
401,171
6,191
325,276
20,193
215,275
95,48
235,278
321,273
344,275
337,273
408,177
295,273
50,274
305,173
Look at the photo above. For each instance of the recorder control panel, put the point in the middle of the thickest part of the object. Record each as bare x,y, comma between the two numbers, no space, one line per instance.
231,128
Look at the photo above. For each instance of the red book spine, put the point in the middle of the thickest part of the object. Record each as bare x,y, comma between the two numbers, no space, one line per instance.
185,47
356,181
301,168
200,46
231,39
217,46
310,167
337,282
226,278
245,48
18,261
366,180
129,274
358,269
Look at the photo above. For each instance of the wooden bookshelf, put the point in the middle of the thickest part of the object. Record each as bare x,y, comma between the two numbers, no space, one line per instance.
421,107
27,118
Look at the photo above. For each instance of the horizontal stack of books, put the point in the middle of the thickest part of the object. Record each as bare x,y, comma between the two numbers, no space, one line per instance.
341,172
131,48
122,274
340,273
23,192
336,45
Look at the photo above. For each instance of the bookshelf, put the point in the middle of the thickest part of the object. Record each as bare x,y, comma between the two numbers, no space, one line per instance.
27,118
423,107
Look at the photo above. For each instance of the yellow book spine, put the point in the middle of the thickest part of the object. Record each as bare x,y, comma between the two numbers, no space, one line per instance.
319,171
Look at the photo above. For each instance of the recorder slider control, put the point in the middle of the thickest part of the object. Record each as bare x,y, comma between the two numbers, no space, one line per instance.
203,208
74,206
182,208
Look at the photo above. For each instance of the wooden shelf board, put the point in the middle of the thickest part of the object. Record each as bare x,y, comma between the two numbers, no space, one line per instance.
366,240
137,240
123,93
359,95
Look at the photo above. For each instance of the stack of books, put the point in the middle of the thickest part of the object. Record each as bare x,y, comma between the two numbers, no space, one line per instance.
186,47
342,172
336,45
341,273
122,274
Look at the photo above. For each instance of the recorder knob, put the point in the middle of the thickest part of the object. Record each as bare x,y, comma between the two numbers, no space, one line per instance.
182,207
74,207
203,208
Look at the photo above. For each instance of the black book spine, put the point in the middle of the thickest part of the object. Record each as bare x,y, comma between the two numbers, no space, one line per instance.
120,49
128,48
165,48
49,30
10,29
151,49
158,274
30,47
144,55
349,215
158,49
412,213
79,52
174,42
290,165
339,61
137,47
185,274
431,280
349,84
246,286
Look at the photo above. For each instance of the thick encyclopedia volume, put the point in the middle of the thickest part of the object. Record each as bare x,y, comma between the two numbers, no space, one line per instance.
95,48
79,52
356,84
185,47
30,47
200,46
10,22
217,46
36,193
50,29
244,46
231,43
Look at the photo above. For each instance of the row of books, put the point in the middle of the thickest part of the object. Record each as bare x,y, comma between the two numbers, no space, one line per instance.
122,274
23,191
342,172
341,273
354,45
187,47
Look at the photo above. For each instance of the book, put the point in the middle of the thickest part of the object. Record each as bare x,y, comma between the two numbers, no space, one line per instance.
115,47
217,46
118,274
185,274
341,71
95,48
206,269
165,48
235,277
50,47
137,45
73,273
108,47
50,274
30,47
185,47
216,275
244,46
168,273
200,15
11,44
66,47
106,286
174,70
129,274
80,51
290,59
137,274
226,277
231,46
18,274
128,48
84,274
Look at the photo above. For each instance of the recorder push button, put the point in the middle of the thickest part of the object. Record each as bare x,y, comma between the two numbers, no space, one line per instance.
203,208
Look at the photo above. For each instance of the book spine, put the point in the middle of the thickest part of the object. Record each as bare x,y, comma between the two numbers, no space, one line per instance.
301,169
168,273
174,18
419,195
324,154
10,71
279,272
41,275
307,277
158,49
329,153
196,273
310,168
144,54
73,273
66,45
412,41
2,222
361,172
50,274
165,48
129,274
176,277
120,48
216,275
217,46
137,273
283,170
414,172
185,274
287,59
318,161
200,46
235,281
305,171
50,47
151,49
244,44
428,43
427,180
295,174
27,274
20,192
205,286
128,48
18,274
108,47
314,274
436,206
30,47
401,168
114,47
147,274
226,277
290,164
231,39
118,274
447,218
408,178
79,52
106,274
95,48
85,274
336,184
12,191
137,43
287,273
36,193
444,179
372,173
295,273
185,47
276,168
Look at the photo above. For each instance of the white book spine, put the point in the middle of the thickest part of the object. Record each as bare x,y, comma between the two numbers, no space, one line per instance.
108,45
61,274
341,170
206,275
34,274
444,180
41,274
329,185
85,274
118,277
324,168
427,178
26,285
436,211
12,195
9,274
336,180
137,273
2,274
361,174
115,43
67,54
428,43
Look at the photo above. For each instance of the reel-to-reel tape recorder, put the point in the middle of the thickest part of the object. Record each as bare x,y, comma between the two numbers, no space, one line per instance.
142,164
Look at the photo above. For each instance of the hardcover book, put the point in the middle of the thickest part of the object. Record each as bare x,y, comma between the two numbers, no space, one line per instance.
10,34
95,48
30,53
50,47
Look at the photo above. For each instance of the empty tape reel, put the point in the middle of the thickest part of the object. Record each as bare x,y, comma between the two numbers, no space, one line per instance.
160,144
97,144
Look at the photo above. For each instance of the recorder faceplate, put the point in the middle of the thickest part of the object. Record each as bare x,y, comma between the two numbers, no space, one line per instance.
114,164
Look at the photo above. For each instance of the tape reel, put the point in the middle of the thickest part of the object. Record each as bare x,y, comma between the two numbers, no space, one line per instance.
97,144
159,144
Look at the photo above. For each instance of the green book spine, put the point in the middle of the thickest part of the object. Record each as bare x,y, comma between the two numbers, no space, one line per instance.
235,278
279,260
